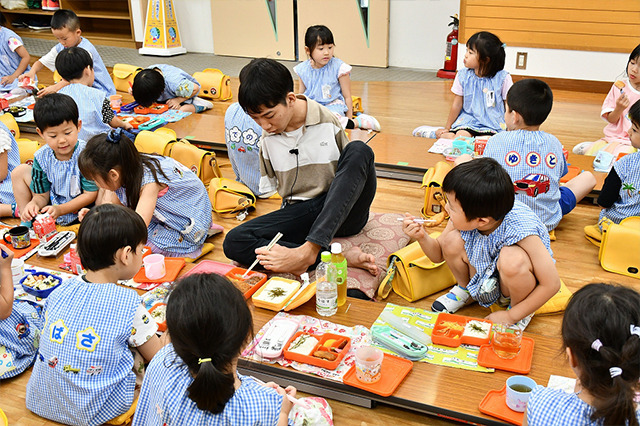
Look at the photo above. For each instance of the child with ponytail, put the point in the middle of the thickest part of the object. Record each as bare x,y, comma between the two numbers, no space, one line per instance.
193,380
601,336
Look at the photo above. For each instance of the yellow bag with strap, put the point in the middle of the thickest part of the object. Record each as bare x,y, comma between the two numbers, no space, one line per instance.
412,275
123,75
214,84
159,142
620,247
229,197
357,105
27,149
200,161
433,194
10,121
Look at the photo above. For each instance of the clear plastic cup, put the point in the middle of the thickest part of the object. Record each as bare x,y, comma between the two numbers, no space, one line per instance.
368,364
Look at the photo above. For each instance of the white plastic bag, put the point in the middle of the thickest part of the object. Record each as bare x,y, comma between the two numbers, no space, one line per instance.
14,4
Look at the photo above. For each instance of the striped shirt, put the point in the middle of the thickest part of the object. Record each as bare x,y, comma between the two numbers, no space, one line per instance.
19,334
164,398
309,173
90,102
84,375
483,250
535,162
243,137
9,145
628,170
553,407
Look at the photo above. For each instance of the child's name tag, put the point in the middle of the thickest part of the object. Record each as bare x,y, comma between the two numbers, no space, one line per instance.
490,98
326,91
74,186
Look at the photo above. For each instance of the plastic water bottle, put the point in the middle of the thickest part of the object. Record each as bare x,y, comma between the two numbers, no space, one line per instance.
326,289
337,258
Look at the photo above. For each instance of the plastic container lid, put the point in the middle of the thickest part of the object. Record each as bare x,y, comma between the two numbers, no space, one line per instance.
325,256
336,248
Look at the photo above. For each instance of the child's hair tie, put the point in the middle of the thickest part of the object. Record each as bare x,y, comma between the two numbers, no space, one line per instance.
504,45
203,360
635,330
615,371
114,135
596,345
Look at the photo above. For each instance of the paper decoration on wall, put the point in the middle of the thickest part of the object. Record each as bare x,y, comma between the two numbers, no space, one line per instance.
161,34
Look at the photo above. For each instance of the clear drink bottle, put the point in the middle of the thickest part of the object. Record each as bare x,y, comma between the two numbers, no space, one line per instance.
337,258
326,289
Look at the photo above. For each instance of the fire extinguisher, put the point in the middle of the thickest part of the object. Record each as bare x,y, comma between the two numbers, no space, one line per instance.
451,54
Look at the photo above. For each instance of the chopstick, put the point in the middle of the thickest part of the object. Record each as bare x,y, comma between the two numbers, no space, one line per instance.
292,399
400,219
271,244
369,140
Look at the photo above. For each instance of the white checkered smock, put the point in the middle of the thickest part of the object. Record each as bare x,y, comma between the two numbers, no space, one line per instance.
90,101
182,216
19,334
628,170
84,373
164,401
9,145
536,156
553,407
483,250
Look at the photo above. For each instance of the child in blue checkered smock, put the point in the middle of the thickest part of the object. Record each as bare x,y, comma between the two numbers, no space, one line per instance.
168,84
325,79
65,27
158,188
533,158
620,194
54,184
76,66
15,58
84,374
481,90
194,381
20,325
243,136
601,337
497,248
8,150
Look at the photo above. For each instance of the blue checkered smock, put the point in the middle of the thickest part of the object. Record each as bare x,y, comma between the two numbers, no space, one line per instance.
164,401
483,250
173,78
182,216
19,334
536,162
90,101
103,79
323,85
9,59
628,169
13,159
243,137
84,373
553,407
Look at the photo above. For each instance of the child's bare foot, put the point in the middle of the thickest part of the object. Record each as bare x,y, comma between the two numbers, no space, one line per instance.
293,260
356,258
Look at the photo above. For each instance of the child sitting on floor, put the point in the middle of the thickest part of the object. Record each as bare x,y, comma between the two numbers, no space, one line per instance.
534,158
194,380
9,160
76,66
65,27
54,184
325,79
160,189
15,58
20,325
497,248
601,337
168,84
84,373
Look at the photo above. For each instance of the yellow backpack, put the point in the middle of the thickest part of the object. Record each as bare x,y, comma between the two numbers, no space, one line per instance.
432,183
229,197
123,75
214,84
201,162
159,142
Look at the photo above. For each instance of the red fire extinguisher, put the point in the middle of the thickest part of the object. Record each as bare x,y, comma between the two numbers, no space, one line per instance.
451,55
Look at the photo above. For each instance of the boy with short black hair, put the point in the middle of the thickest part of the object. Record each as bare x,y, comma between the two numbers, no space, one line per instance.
326,182
497,249
84,374
76,66
54,184
65,27
168,84
534,158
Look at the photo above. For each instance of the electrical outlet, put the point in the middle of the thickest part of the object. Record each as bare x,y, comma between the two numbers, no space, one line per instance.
521,61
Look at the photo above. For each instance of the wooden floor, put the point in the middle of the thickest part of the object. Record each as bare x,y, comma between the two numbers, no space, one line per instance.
400,107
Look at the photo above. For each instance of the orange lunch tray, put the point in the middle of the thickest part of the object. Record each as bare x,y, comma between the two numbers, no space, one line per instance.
457,338
319,362
231,274
21,252
153,109
210,267
136,121
495,404
162,325
172,266
393,371
573,172
521,363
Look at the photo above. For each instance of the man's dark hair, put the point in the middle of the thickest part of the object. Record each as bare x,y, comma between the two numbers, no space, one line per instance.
106,229
482,187
147,86
71,62
264,83
532,99
54,109
65,18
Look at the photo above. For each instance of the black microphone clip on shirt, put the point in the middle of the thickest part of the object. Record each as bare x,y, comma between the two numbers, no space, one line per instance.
294,151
